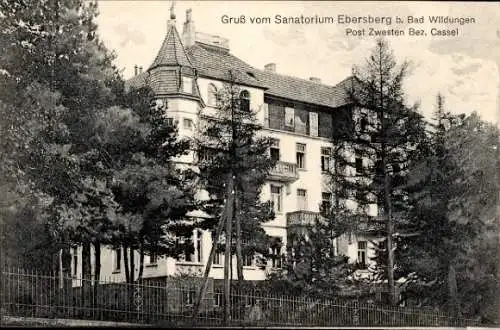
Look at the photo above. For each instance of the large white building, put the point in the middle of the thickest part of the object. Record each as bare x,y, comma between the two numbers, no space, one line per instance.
302,115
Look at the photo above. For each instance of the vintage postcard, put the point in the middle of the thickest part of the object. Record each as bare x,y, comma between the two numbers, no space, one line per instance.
250,163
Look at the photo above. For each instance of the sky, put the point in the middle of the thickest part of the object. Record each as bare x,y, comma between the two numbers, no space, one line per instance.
464,68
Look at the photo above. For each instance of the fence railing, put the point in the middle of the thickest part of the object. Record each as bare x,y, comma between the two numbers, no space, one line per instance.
170,302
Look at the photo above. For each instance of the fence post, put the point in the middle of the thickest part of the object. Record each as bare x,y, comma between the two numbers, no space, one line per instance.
355,318
138,300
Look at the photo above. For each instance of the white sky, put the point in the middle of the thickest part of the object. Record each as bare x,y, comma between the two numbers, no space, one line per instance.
465,69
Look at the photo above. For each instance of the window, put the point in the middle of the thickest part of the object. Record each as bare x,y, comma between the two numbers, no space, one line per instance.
362,254
313,123
276,198
301,199
301,155
199,252
325,124
359,165
218,299
187,85
169,121
363,124
301,121
152,258
325,159
189,297
187,124
245,101
187,249
382,245
218,258
248,260
75,261
326,201
290,118
277,258
275,150
117,258
212,95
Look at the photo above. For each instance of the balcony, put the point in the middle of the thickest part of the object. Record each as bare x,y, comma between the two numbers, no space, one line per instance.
302,218
284,172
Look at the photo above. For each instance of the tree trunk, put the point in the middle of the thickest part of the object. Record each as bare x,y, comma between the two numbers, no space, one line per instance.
390,249
132,265
239,255
86,262
86,273
389,223
97,257
387,189
452,291
227,254
125,263
141,263
61,271
210,261
97,271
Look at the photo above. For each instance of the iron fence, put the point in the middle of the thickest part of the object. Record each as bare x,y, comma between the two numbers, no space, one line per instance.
167,302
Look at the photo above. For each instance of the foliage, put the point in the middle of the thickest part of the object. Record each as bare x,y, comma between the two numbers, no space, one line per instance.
229,142
383,145
97,155
55,74
455,212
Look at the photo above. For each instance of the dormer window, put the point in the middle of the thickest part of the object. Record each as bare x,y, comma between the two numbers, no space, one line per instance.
187,85
212,95
245,101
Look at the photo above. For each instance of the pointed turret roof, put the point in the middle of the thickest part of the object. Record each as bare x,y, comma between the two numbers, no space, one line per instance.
172,52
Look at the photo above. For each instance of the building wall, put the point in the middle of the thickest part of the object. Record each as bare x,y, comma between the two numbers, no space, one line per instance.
310,179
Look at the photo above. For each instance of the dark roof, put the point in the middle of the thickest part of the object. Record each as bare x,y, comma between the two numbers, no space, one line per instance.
137,81
304,90
171,51
215,62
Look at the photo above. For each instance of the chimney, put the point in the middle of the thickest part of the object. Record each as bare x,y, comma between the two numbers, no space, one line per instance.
136,69
140,69
188,30
171,22
271,67
315,79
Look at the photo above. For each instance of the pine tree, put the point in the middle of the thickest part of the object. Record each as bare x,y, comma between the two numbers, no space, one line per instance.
454,212
230,142
381,146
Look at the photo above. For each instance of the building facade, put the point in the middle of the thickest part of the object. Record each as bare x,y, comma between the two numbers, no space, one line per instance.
301,115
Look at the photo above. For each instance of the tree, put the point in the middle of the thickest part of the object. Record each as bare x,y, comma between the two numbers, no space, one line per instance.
382,145
79,140
56,75
233,164
230,142
137,147
313,266
455,210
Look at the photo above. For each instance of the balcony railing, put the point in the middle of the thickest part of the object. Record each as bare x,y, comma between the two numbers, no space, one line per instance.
284,172
302,218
